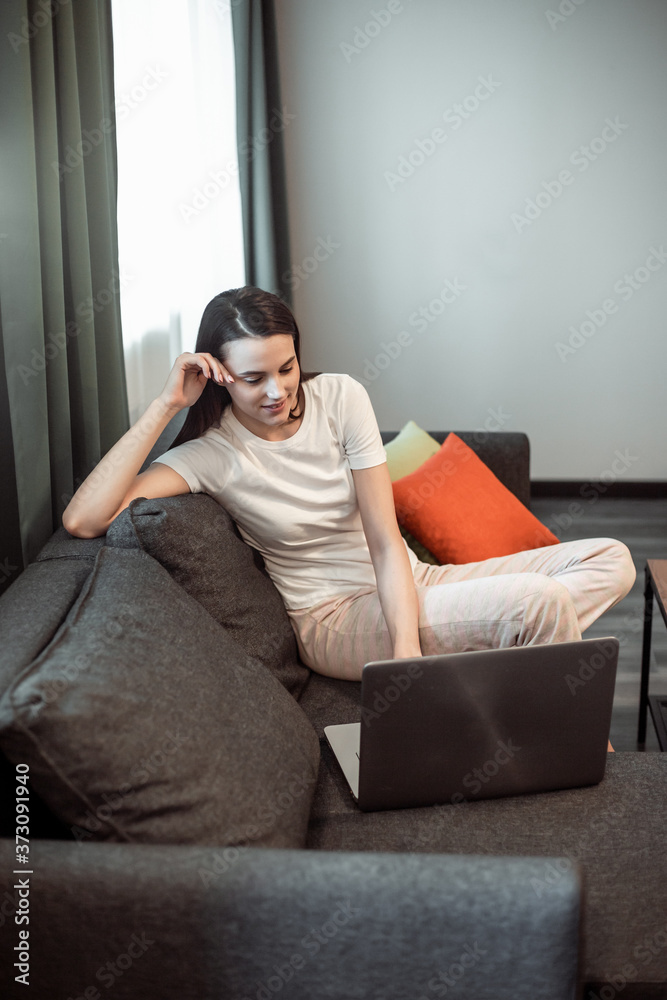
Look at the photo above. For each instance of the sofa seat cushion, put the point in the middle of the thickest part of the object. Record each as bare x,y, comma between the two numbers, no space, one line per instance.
198,543
329,701
143,720
615,831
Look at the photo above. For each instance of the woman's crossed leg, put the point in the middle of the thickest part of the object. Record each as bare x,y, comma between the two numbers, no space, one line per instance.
544,595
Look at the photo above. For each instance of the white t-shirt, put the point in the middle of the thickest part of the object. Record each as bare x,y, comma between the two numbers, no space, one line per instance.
295,500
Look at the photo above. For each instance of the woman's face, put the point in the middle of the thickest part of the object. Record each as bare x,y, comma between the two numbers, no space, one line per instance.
266,380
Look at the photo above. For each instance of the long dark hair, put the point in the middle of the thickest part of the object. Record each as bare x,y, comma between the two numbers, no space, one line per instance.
233,315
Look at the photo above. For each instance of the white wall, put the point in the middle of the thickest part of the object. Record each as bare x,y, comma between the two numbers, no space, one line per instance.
491,356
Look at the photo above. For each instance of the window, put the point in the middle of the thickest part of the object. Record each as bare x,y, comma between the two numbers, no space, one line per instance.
179,207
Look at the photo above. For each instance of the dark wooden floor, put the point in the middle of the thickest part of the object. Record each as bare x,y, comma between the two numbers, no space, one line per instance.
642,525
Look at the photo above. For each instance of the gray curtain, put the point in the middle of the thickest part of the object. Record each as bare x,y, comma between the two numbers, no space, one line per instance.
261,122
63,399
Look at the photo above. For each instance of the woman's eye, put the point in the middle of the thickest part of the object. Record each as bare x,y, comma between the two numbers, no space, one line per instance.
284,371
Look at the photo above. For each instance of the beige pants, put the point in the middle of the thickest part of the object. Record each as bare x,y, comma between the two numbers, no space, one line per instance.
550,594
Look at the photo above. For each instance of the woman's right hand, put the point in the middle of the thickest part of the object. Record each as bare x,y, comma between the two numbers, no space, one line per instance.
188,377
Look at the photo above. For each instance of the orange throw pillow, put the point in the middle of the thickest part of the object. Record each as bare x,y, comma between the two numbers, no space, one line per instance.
455,506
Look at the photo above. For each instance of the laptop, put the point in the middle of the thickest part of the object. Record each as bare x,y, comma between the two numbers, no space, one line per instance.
459,727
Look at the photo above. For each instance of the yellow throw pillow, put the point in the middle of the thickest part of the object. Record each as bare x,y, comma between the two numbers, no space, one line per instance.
408,450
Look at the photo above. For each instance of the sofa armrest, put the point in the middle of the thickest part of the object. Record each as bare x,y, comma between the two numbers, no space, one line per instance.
189,923
507,454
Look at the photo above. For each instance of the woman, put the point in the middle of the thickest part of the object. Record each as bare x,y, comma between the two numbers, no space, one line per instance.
297,460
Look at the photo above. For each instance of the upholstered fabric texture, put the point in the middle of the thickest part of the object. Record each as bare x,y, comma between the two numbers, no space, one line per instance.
455,506
197,542
614,831
238,924
31,612
33,609
143,720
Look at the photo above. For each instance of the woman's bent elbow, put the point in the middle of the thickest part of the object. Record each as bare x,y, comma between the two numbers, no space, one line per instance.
80,530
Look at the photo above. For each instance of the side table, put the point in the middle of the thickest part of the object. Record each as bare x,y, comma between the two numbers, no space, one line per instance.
655,576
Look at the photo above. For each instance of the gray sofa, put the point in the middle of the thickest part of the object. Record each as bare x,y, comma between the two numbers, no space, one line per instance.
190,835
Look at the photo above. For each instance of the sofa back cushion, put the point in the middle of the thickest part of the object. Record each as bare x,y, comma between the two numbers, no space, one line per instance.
197,541
143,720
